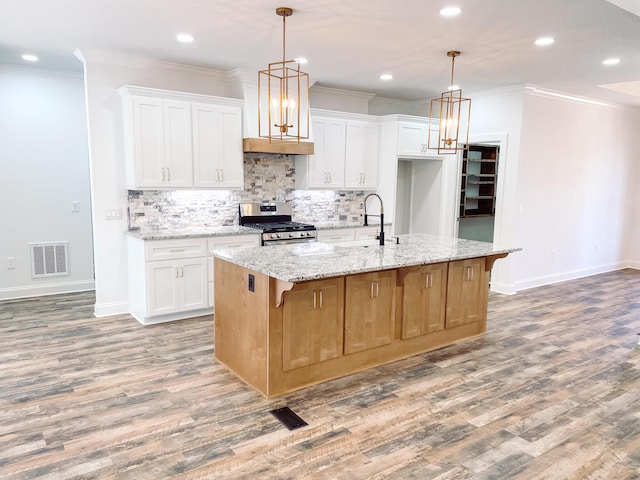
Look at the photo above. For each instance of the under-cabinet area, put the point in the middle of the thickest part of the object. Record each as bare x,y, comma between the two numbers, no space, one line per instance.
280,335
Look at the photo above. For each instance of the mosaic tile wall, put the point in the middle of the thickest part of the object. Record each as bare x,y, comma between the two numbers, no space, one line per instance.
266,177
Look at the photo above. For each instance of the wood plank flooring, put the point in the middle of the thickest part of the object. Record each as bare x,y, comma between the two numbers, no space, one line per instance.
551,391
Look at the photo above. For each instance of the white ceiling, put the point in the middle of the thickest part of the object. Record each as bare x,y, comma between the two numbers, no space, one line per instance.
349,43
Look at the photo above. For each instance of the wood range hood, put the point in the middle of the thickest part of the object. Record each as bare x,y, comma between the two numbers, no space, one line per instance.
263,145
252,142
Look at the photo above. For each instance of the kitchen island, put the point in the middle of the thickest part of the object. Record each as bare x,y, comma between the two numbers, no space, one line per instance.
291,316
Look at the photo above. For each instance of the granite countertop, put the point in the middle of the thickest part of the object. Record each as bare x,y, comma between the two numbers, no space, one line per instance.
182,232
209,231
312,261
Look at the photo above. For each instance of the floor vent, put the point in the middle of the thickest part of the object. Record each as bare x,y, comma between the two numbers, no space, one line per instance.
49,259
288,418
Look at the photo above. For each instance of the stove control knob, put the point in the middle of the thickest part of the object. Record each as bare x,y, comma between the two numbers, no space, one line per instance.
292,234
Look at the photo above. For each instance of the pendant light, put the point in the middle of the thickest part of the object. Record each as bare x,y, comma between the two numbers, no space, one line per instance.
450,109
283,96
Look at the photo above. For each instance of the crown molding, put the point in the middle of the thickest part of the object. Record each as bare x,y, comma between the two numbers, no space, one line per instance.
14,69
337,92
130,61
127,90
543,92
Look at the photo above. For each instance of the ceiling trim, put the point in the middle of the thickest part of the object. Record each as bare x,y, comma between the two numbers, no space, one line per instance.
543,92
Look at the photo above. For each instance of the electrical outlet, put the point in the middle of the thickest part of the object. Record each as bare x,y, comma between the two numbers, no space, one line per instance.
75,206
252,283
11,263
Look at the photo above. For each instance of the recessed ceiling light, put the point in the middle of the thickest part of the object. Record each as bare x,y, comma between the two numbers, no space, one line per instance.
544,41
184,38
611,61
386,77
29,58
301,60
450,11
453,87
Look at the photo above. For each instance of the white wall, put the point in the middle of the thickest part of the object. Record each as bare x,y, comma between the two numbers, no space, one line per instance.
632,244
45,166
569,177
497,116
104,74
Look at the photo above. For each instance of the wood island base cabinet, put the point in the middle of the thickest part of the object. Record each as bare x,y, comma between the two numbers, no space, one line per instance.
279,337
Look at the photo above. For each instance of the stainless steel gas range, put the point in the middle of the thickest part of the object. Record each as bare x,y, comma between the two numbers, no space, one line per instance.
275,221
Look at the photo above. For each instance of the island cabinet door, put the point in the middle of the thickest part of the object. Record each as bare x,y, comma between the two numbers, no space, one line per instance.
466,292
369,310
423,300
312,323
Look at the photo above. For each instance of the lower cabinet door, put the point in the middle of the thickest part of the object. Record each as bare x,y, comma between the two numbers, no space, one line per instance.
423,300
369,310
176,285
193,279
163,287
466,292
312,323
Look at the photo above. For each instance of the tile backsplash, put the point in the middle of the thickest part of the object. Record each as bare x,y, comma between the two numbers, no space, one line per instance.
266,177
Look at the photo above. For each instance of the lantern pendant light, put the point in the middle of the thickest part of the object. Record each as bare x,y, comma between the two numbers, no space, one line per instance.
283,96
450,109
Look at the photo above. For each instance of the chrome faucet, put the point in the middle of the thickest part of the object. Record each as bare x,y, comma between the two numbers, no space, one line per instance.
381,236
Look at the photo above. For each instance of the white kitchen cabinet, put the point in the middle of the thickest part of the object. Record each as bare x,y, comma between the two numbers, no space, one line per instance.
160,135
217,158
413,140
361,161
345,153
181,140
221,242
176,286
325,168
167,279
337,235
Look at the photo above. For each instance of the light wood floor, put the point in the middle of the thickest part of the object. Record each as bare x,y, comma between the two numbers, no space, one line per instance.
551,391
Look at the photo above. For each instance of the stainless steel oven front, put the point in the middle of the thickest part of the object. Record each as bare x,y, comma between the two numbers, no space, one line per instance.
285,238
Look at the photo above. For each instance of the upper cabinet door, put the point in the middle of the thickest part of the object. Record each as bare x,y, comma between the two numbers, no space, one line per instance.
361,162
205,145
336,150
217,146
315,170
325,168
177,144
231,157
148,142
412,139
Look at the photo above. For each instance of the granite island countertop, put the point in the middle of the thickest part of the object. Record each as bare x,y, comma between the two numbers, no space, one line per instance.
313,261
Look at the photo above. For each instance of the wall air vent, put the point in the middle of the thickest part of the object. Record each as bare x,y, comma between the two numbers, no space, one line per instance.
49,259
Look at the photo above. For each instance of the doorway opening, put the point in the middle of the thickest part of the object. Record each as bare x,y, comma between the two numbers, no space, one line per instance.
477,193
419,193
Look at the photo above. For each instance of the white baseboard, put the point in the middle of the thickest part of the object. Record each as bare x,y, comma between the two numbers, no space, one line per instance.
633,264
46,289
108,309
505,288
568,275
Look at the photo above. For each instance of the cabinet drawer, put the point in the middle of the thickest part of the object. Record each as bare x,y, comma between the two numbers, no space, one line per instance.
335,236
367,233
233,241
171,249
